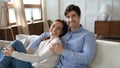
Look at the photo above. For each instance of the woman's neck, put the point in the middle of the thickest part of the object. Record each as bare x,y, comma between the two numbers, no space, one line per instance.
51,38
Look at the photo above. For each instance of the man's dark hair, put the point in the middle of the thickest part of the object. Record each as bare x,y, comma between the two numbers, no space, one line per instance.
72,7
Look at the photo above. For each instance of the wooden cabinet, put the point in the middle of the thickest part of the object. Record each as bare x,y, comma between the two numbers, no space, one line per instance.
36,28
107,28
8,33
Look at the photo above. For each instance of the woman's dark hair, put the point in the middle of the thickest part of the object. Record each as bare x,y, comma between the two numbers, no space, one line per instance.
72,7
65,27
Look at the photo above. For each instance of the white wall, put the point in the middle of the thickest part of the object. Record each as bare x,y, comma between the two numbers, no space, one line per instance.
90,10
52,9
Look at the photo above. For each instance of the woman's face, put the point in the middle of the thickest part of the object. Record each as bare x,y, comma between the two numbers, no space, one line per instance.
56,29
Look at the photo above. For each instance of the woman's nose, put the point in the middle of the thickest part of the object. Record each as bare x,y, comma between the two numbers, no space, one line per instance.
54,29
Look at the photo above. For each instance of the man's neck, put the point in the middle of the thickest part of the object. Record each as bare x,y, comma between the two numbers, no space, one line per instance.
74,29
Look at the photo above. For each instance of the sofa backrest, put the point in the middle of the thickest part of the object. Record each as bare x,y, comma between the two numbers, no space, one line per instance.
26,39
107,55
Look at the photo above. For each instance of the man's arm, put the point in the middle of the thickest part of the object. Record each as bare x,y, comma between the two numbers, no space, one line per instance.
87,55
36,42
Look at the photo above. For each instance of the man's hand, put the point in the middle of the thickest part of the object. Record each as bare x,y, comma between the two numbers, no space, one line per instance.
29,51
57,48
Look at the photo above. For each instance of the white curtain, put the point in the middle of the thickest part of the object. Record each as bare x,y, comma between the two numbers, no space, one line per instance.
44,10
3,15
20,16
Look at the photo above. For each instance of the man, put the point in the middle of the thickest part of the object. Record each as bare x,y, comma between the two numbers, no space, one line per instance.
78,45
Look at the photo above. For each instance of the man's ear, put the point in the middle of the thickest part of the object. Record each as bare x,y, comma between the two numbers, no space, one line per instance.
80,17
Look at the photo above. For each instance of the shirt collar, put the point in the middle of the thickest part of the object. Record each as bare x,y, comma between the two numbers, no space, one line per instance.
78,30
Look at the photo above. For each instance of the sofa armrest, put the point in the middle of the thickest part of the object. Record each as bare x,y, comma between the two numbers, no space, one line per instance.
107,55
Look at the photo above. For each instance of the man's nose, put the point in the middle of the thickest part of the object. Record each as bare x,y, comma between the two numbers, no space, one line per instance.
70,19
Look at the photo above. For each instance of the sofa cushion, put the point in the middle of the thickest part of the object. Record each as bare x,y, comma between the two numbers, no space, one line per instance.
107,55
4,42
26,39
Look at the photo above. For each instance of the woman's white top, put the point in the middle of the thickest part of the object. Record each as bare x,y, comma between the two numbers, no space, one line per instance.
43,58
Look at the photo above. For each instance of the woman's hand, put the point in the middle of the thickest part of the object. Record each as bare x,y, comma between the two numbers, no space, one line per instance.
8,50
57,48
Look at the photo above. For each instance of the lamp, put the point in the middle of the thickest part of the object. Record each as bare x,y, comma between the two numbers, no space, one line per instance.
104,12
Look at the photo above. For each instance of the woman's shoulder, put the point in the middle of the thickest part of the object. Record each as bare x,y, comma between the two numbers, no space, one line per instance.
56,40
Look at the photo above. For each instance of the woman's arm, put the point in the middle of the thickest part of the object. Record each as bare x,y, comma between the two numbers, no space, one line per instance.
9,51
30,57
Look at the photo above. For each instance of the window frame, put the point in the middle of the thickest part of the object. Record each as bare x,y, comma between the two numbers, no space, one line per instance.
11,5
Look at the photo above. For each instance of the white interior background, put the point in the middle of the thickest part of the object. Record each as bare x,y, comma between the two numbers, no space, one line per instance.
90,10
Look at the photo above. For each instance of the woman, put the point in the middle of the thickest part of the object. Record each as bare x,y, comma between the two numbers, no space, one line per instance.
44,57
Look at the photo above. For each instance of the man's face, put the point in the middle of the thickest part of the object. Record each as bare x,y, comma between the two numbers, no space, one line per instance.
73,20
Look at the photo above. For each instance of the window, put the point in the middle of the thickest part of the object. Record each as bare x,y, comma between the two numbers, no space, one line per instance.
32,10
12,18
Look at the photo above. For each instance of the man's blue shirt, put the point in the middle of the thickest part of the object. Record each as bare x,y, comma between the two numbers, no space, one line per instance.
79,49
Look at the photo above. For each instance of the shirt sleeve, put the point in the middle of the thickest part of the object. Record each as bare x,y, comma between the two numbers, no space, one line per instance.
85,57
36,42
56,40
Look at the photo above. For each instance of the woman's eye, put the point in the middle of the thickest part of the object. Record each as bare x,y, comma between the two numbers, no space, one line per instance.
59,28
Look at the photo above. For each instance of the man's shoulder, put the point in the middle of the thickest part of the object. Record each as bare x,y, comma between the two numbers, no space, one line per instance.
87,32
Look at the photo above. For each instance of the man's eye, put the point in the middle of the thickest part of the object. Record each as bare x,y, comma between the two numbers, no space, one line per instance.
67,17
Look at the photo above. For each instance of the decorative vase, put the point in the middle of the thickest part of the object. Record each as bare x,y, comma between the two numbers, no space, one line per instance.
105,12
104,16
